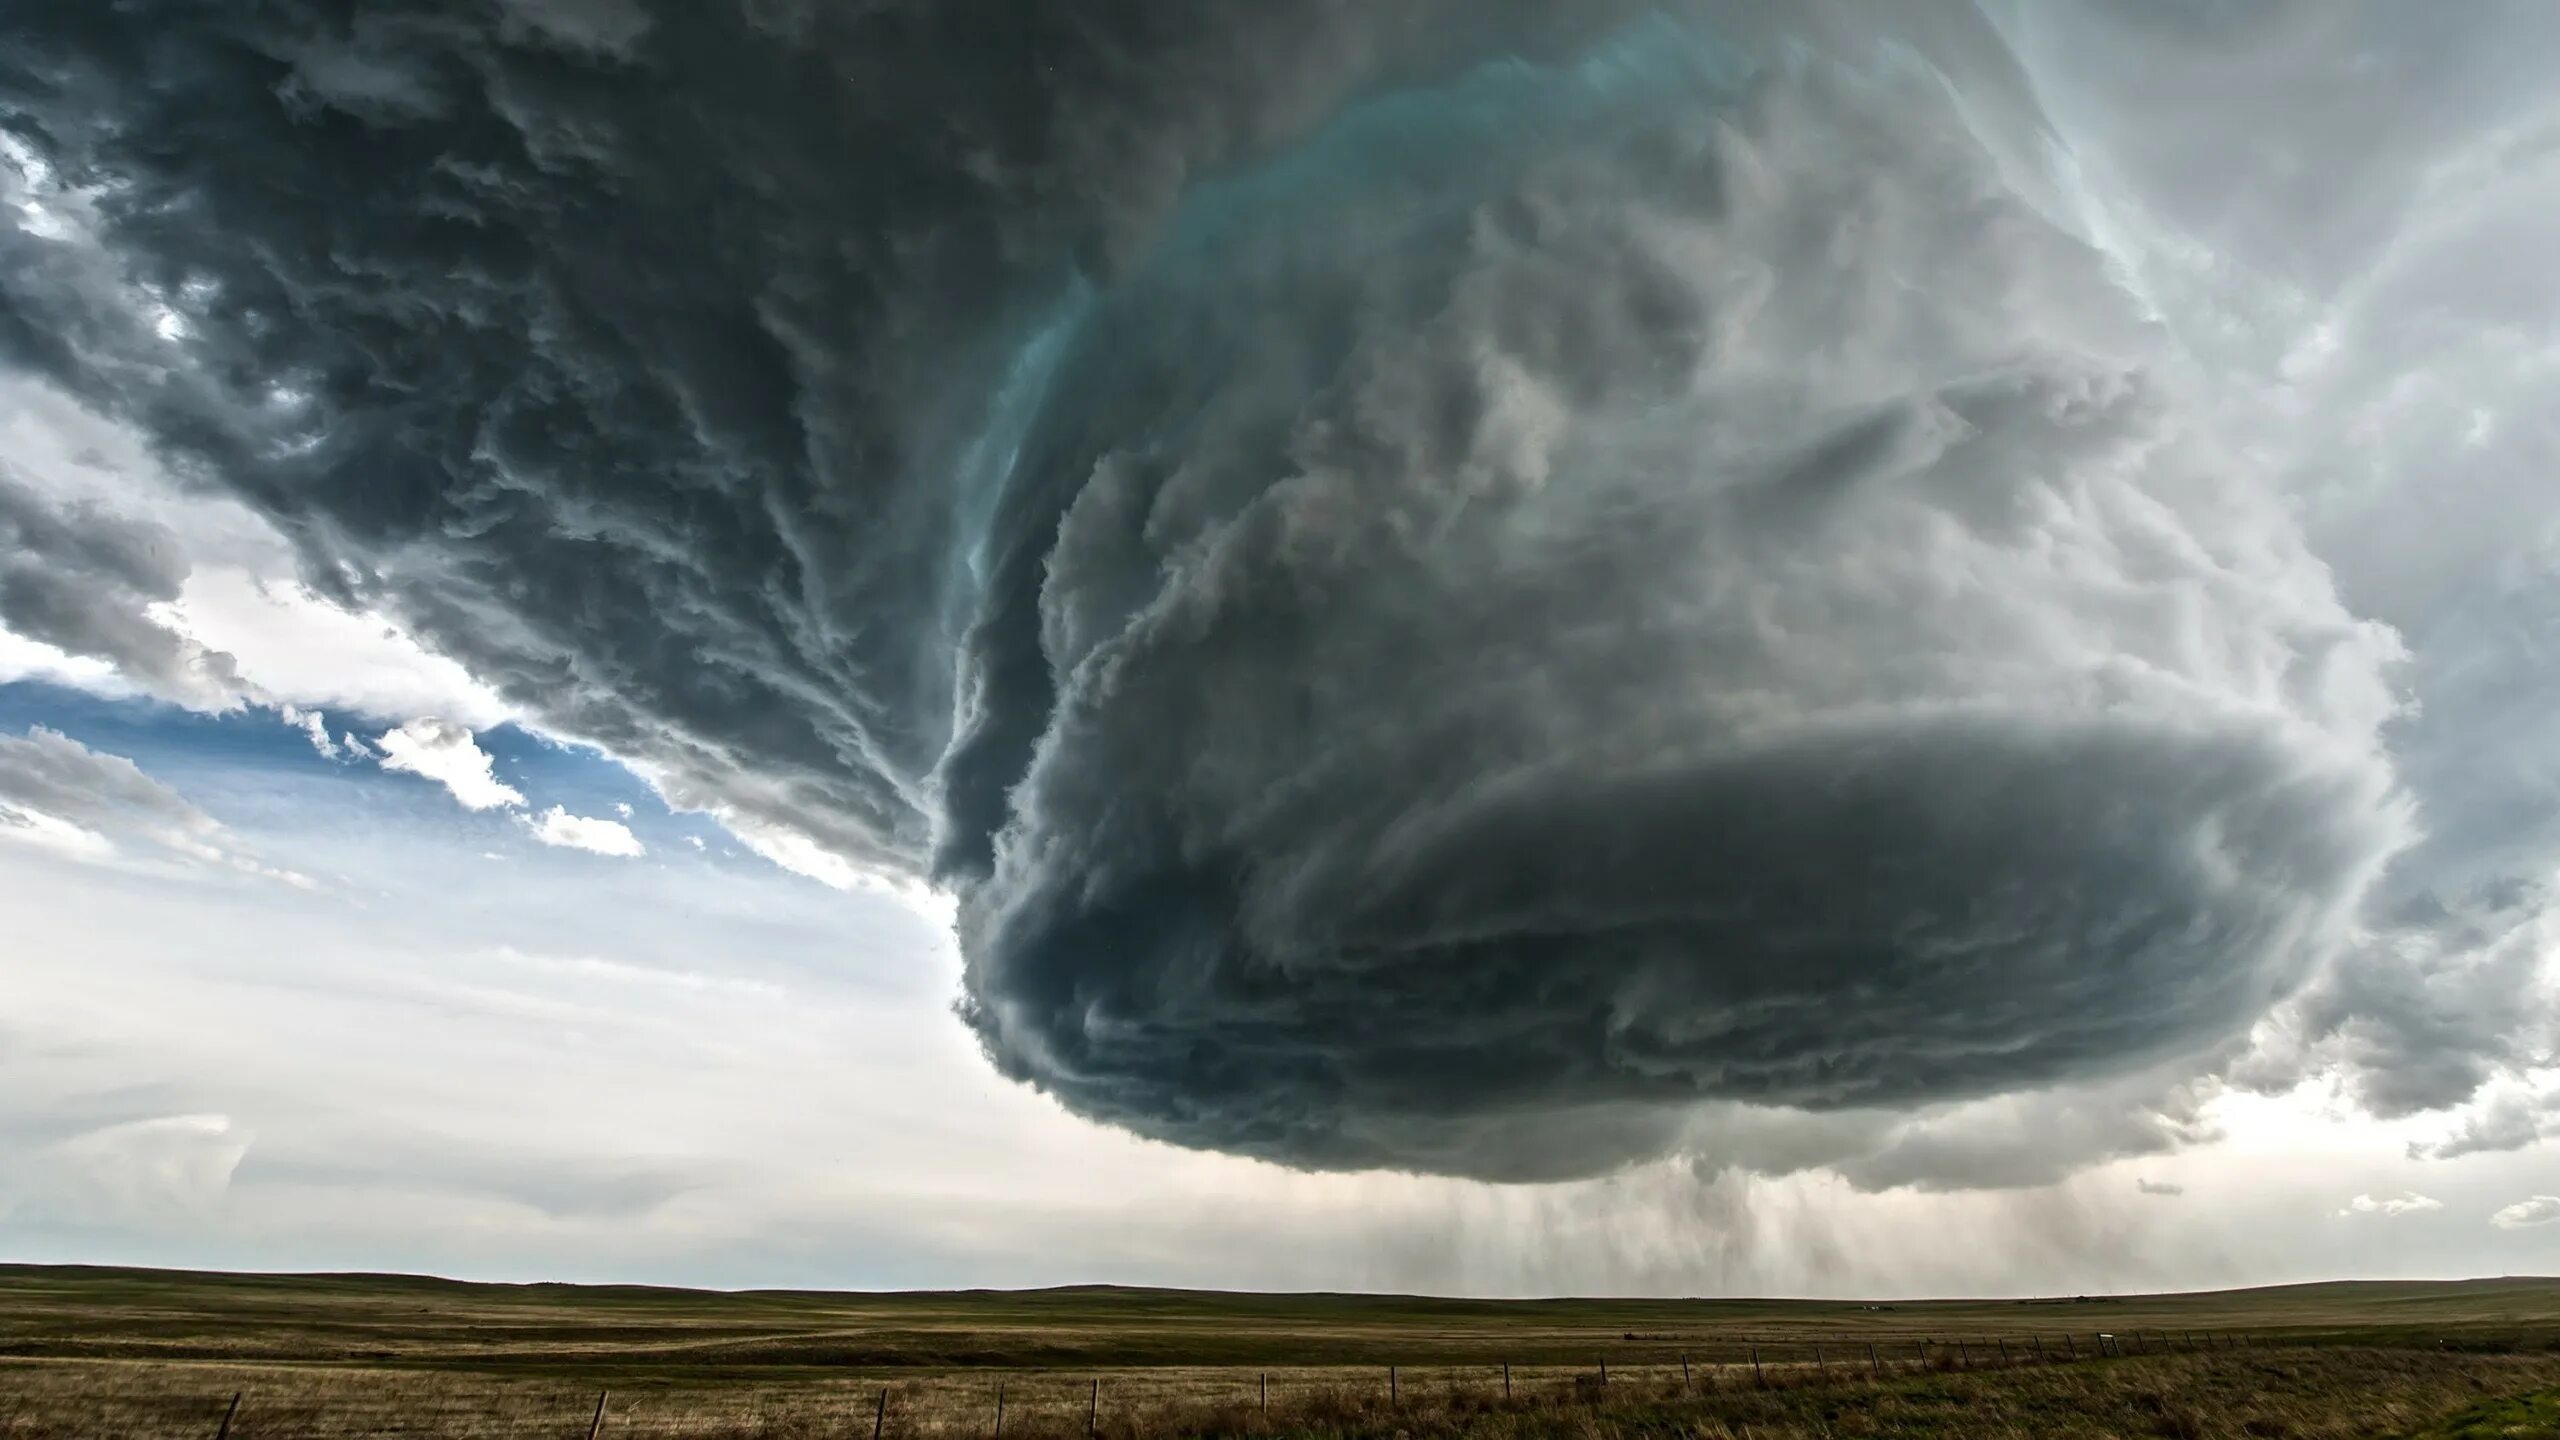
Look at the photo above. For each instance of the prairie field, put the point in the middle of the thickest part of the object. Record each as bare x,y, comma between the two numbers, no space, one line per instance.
97,1353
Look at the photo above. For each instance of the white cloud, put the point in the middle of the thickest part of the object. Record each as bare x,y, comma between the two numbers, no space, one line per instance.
25,659
53,833
444,752
556,826
295,646
2540,1210
313,724
2407,1202
797,853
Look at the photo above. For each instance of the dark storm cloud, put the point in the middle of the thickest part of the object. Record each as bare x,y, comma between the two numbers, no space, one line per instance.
1581,701
626,345
1444,582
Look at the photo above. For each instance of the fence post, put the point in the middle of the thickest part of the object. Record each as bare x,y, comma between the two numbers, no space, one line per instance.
1093,1407
1818,1362
595,1427
1391,1386
2038,1342
1684,1373
1604,1369
880,1413
225,1432
1873,1363
999,1410
2071,1345
2003,1342
1964,1356
1266,1392
1756,1377
1506,1379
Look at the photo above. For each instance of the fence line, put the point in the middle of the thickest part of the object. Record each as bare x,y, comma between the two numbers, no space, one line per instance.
1765,1358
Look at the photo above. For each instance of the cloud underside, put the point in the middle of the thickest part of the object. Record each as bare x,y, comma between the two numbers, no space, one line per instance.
1435,611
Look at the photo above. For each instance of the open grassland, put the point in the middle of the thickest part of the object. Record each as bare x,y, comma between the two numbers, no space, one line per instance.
2534,1417
109,1353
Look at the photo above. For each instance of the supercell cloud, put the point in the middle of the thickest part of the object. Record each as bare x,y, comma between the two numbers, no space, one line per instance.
1444,583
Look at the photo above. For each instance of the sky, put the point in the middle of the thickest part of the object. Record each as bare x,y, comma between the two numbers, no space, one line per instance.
1450,645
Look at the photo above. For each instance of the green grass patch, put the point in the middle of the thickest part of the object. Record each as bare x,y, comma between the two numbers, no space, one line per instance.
2516,1417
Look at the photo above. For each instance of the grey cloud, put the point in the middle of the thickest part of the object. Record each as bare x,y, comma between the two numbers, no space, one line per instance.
154,1170
2337,114
653,402
556,1187
1446,583
2159,1187
2345,206
2440,1000
2034,1140
51,773
83,580
2023,1140
2502,1122
62,795
2019,1141
1650,690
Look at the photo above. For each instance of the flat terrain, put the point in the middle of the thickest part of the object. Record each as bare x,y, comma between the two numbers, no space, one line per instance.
98,1352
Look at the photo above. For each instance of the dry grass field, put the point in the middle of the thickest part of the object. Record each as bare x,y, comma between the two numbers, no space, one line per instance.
129,1353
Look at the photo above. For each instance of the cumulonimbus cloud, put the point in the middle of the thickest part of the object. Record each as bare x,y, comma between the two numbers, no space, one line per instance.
1444,583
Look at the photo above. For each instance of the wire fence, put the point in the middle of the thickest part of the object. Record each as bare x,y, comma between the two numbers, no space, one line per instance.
1052,1403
